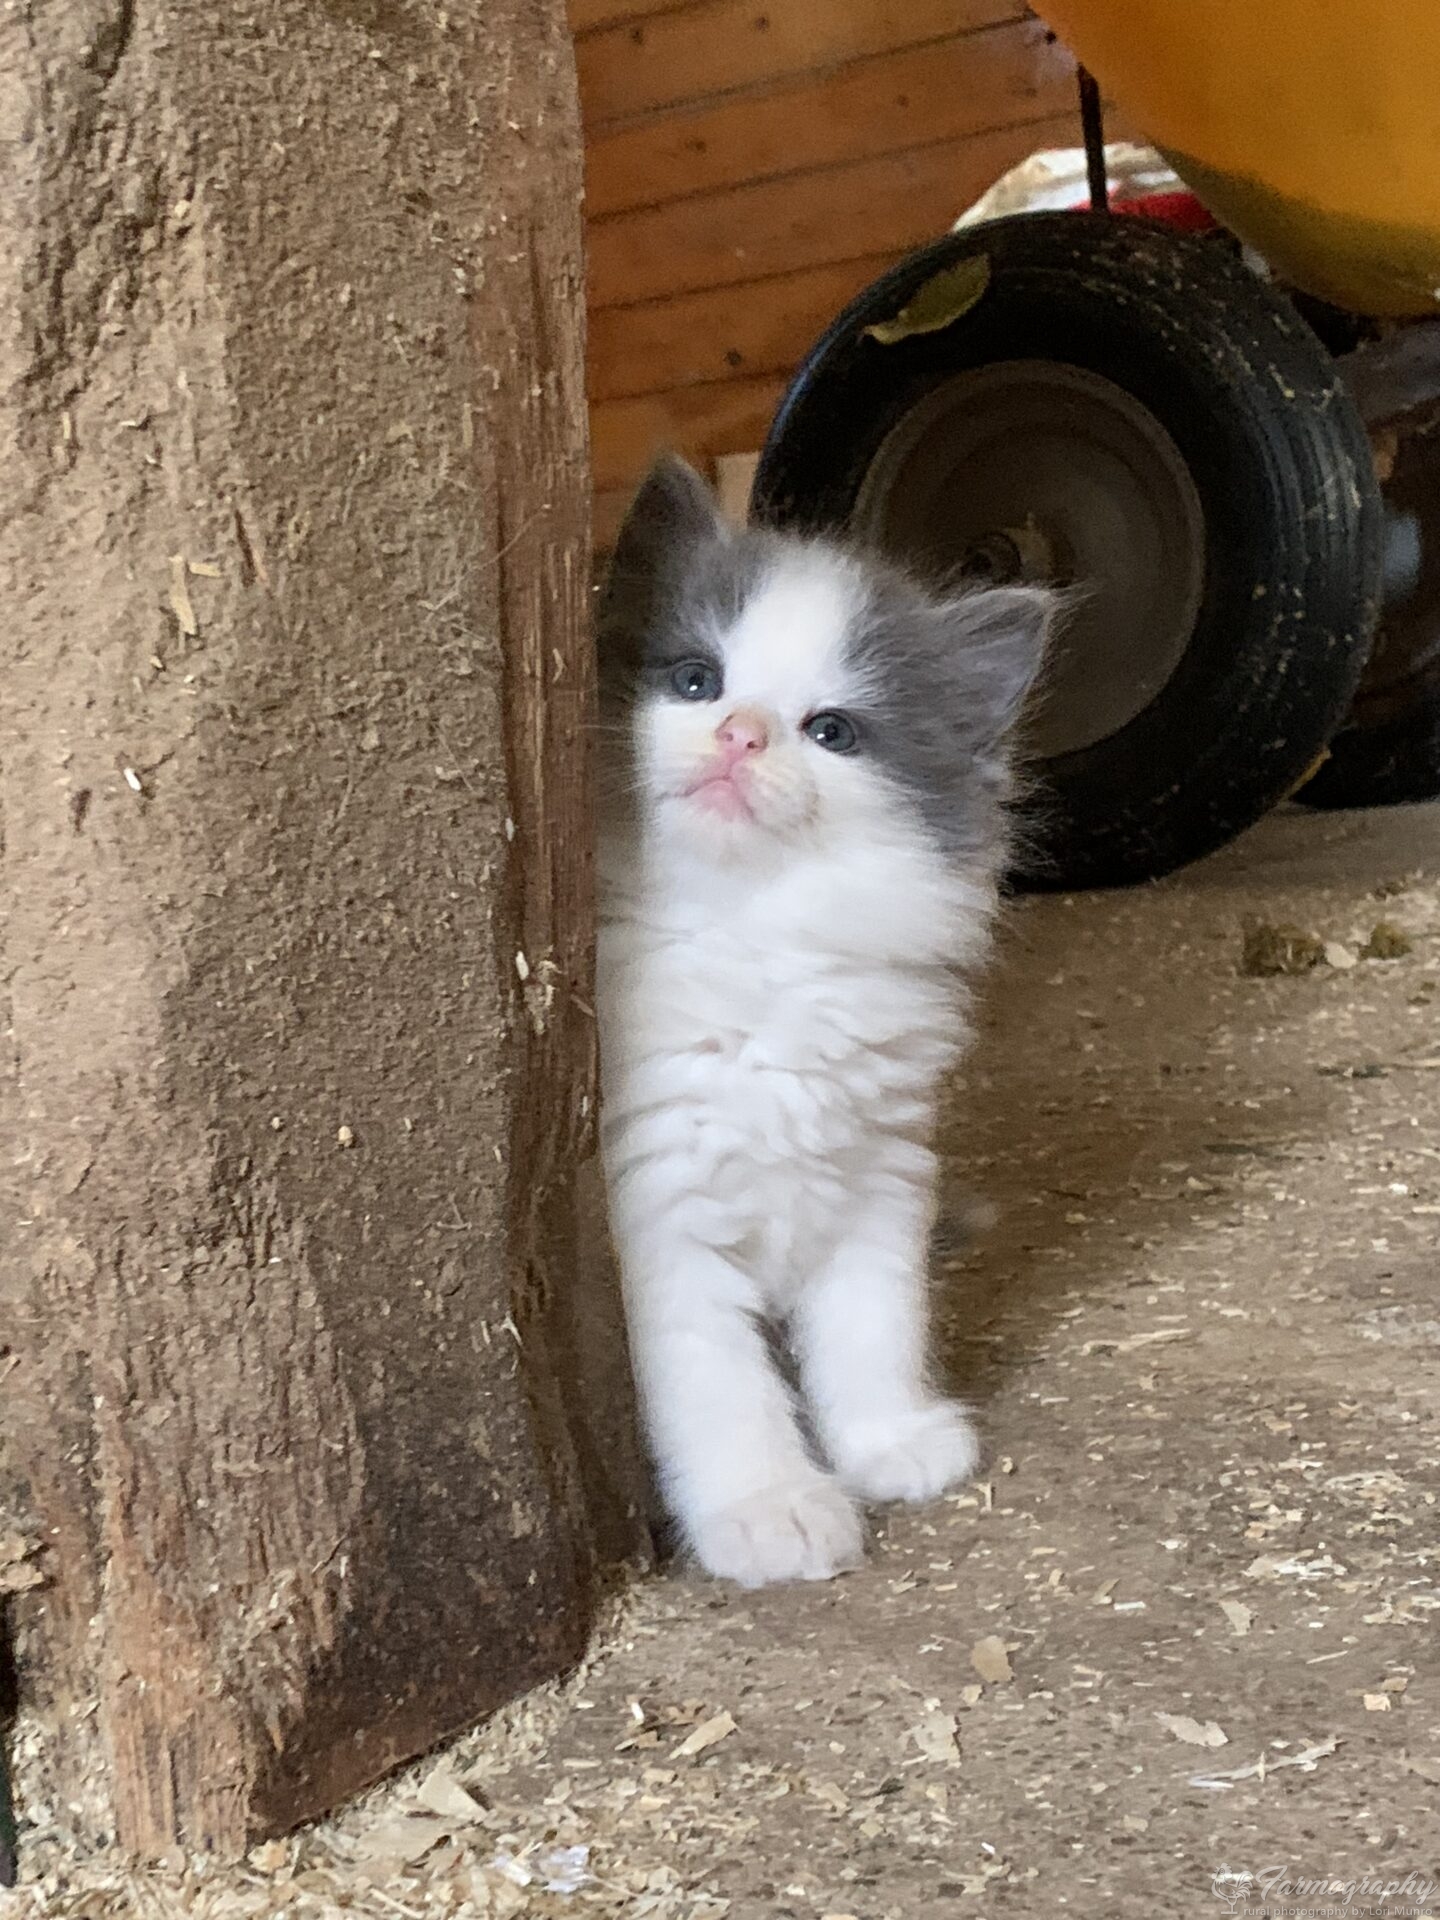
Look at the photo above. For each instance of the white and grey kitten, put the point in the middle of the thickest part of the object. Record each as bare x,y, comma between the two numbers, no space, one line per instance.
803,824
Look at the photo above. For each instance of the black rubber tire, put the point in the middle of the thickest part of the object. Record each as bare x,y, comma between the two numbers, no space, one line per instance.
1274,447
1392,761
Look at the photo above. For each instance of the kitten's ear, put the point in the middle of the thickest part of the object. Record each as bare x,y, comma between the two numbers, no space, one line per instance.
1005,633
671,518
673,513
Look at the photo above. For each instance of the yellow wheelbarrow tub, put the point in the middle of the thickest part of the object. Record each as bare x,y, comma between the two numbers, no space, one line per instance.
1309,127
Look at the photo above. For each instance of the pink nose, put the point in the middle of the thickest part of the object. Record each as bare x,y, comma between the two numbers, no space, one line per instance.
741,732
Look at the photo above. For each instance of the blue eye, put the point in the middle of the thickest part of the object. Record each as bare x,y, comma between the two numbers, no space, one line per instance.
832,731
696,680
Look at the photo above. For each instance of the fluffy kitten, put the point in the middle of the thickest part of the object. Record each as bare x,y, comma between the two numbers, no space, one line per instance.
803,822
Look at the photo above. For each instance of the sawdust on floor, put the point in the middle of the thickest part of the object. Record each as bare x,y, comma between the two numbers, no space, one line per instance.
1185,1627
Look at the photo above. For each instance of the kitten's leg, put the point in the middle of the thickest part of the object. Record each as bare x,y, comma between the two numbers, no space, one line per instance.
861,1334
734,1469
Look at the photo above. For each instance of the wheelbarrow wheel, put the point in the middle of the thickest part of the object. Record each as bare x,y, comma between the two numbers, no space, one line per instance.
1128,411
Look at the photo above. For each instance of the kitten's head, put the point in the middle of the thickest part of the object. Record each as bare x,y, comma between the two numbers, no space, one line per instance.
776,689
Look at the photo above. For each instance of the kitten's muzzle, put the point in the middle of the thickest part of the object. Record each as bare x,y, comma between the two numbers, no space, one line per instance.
722,786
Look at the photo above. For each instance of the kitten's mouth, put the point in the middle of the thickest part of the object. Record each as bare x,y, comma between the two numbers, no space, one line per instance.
720,794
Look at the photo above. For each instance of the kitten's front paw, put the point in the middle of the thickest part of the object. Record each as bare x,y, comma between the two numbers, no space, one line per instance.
800,1529
913,1457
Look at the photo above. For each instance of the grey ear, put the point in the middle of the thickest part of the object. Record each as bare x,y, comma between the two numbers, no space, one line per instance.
1005,633
671,519
673,513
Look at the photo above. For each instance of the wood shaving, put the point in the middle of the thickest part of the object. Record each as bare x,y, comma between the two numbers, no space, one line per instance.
403,1839
181,605
1238,1614
1194,1733
991,1659
1155,1337
19,1572
936,1737
1318,1566
1259,1769
709,1733
441,1793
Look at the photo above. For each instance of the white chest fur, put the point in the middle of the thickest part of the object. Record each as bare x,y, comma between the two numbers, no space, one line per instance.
765,1057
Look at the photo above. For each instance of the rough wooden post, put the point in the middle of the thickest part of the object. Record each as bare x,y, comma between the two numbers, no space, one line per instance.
297,1055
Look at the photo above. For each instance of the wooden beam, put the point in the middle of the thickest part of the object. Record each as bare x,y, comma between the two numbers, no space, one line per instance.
294,710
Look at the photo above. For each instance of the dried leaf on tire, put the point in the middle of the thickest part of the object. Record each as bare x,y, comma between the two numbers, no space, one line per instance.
938,302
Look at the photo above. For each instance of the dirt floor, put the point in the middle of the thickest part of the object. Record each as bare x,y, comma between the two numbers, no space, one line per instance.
1188,1625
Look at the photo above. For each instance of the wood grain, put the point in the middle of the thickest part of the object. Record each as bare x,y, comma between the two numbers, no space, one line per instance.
916,96
700,51
720,333
867,207
607,515
729,417
591,16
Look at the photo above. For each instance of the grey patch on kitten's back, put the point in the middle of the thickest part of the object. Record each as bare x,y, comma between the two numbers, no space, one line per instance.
944,675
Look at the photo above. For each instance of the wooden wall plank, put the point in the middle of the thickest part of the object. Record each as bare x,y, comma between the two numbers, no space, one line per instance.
607,512
641,66
720,333
752,164
596,16
919,95
732,416
888,204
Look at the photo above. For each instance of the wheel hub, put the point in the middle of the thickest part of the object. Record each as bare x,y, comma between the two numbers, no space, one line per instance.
1035,471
